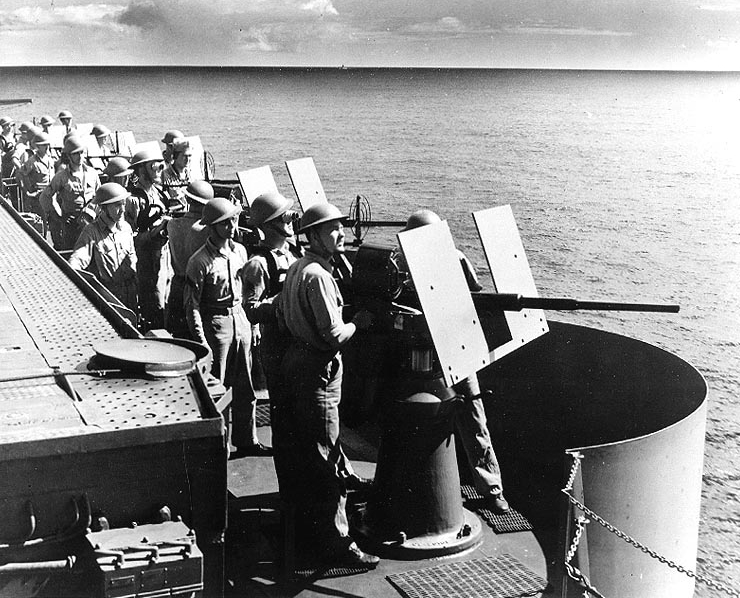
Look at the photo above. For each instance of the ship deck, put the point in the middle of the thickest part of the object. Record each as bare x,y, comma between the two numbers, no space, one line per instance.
253,540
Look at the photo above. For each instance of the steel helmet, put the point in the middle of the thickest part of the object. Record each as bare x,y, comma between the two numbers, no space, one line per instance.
319,213
199,191
42,138
46,120
217,210
24,126
146,155
268,206
109,193
171,135
73,145
181,146
117,166
32,131
421,218
100,131
65,114
5,120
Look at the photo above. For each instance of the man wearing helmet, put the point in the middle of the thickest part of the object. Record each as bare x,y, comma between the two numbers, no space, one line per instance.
309,459
149,211
106,246
69,193
7,145
187,234
168,140
470,421
264,276
213,307
102,135
65,117
36,174
177,174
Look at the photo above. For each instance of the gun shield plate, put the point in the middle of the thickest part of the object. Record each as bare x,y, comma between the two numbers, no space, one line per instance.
511,274
255,182
306,182
434,264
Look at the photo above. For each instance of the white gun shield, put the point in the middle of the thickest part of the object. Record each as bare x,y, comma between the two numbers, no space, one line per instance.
440,283
510,273
125,142
306,182
255,182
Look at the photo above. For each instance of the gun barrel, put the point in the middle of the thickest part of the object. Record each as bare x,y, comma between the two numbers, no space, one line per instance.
514,302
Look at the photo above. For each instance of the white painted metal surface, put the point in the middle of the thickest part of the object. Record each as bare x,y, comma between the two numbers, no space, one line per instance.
306,182
255,182
434,264
510,273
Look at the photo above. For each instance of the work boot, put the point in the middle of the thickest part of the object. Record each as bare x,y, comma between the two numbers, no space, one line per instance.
352,556
356,483
254,450
497,504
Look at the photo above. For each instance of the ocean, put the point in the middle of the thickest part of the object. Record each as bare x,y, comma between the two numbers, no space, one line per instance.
624,186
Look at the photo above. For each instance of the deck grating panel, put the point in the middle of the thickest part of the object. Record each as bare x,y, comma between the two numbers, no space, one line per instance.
494,577
511,521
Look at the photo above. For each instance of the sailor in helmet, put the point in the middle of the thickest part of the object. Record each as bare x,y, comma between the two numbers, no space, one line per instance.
71,190
150,230
65,117
7,145
187,234
309,460
37,173
106,246
216,317
178,174
264,275
168,141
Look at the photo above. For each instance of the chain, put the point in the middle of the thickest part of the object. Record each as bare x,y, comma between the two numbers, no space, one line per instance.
574,572
627,538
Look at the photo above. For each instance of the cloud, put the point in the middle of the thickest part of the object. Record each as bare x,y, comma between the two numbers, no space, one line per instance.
322,7
81,15
362,32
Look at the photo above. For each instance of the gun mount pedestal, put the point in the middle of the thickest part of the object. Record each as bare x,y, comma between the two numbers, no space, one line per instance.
415,509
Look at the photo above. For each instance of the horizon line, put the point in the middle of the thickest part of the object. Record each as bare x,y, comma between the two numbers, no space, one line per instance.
365,67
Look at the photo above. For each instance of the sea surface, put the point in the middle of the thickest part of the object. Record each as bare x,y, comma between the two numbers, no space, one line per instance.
625,186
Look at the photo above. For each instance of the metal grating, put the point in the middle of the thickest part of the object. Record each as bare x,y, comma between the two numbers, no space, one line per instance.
511,521
62,322
499,577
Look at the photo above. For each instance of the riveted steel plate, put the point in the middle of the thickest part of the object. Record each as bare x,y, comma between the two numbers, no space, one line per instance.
306,182
255,182
117,403
510,273
440,283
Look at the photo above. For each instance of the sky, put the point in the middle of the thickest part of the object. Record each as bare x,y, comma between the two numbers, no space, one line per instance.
600,34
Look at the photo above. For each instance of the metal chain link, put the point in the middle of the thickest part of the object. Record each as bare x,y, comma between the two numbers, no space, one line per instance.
627,538
574,572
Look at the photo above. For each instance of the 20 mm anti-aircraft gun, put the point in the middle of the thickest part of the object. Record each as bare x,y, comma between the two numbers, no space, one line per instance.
584,422
560,386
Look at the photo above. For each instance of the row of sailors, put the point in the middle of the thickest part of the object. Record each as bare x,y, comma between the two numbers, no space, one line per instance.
31,163
275,301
